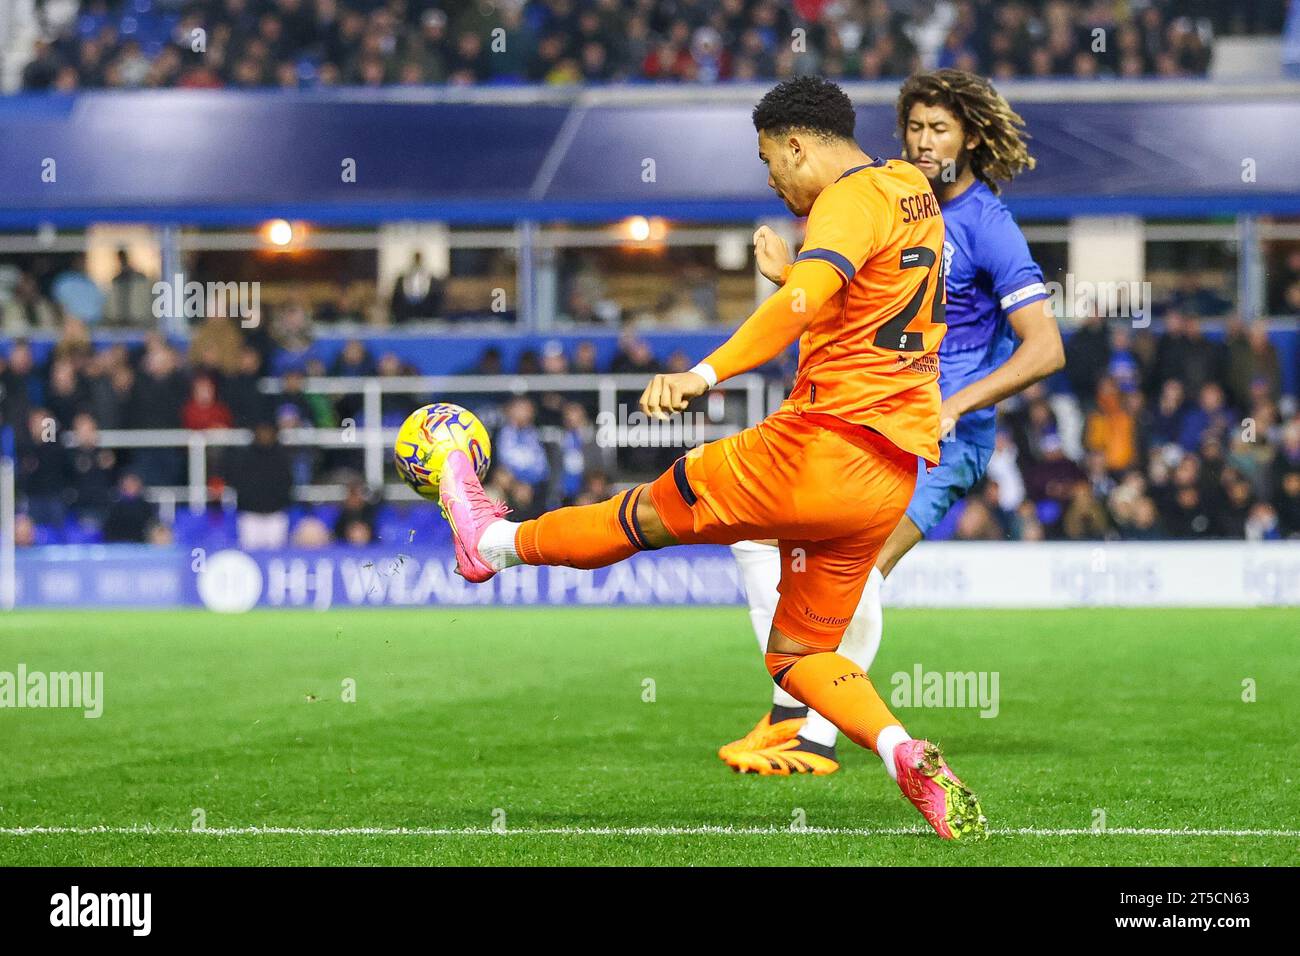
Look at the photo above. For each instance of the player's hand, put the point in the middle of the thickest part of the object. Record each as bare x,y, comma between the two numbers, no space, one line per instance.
671,392
949,416
772,253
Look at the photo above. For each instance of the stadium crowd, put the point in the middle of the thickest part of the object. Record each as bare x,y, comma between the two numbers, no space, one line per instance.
1148,433
315,43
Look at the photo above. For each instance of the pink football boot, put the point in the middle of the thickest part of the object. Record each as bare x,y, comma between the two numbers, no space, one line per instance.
946,803
468,510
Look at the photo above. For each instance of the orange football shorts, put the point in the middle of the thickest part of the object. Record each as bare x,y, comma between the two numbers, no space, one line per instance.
829,491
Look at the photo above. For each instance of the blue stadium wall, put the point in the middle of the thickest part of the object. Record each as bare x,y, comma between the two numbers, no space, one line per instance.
222,157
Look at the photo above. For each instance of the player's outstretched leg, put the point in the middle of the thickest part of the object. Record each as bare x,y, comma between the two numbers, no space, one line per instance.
585,536
835,687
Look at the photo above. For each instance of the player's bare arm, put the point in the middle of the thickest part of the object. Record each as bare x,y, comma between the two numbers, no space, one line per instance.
1039,354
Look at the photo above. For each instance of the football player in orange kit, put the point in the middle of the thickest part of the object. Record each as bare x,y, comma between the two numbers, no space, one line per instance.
831,472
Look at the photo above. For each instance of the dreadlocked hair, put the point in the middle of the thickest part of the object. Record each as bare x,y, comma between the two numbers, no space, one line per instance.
1002,153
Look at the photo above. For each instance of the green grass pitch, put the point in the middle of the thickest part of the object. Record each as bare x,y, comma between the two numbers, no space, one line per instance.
538,720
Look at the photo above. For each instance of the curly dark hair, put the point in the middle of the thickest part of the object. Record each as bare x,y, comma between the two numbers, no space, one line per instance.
1001,153
806,103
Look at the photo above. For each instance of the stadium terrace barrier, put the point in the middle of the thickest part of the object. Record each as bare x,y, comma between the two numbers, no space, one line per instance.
950,575
374,438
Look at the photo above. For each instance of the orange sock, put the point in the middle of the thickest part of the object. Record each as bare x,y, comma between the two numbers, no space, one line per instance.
584,536
836,688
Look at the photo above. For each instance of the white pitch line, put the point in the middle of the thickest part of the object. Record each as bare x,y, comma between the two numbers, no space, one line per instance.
619,831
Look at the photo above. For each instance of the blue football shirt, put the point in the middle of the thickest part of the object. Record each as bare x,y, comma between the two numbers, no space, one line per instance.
989,272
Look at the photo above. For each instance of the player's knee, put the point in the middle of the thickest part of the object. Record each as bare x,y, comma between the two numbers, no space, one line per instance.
782,654
652,527
778,665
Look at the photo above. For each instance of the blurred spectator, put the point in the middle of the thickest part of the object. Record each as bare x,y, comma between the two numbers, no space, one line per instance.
204,410
556,41
354,360
74,342
588,300
76,294
358,534
584,358
397,405
263,482
1123,365
64,396
1004,471
1187,515
1084,518
417,294
311,533
92,471
977,523
159,394
518,446
1167,422
240,391
356,521
43,472
1235,508
27,310
215,345
312,410
1145,524
1053,477
109,387
1288,504
1201,360
24,531
130,296
1194,297
574,450
597,487
19,389
1026,524
129,516
529,363
634,356
1209,418
160,535
489,363
1110,428
1252,359
292,331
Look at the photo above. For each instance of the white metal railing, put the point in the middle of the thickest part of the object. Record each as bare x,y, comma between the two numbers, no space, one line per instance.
375,441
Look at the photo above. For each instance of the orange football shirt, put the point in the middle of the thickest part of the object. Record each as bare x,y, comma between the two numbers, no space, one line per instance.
871,353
